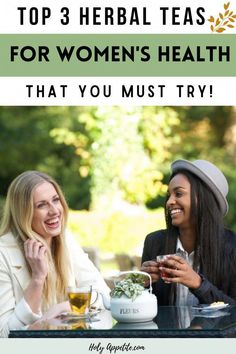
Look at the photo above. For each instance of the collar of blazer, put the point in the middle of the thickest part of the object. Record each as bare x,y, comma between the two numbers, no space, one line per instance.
14,259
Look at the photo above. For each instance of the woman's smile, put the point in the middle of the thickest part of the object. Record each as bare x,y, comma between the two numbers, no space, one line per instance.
173,212
53,223
48,211
179,201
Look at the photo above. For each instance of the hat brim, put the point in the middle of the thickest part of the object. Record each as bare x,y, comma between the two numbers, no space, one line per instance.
189,166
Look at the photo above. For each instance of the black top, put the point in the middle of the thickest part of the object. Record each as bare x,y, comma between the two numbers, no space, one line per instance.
207,293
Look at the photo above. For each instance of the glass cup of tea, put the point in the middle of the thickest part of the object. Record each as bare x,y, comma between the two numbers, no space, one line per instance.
161,262
80,299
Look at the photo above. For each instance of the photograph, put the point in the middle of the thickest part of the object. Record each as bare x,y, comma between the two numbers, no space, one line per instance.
117,176
116,220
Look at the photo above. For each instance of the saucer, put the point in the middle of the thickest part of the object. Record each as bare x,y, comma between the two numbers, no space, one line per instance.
209,308
208,314
92,312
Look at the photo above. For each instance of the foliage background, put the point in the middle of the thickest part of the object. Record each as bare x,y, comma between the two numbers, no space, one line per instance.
113,161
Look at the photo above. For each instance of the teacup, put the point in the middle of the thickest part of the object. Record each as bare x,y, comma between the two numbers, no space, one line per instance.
80,299
161,259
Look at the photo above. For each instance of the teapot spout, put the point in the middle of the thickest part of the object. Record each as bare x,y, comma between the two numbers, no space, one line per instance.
106,301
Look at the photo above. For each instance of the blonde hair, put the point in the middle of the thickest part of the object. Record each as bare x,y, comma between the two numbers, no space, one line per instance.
17,218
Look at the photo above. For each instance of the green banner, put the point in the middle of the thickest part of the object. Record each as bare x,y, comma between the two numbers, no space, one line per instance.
117,55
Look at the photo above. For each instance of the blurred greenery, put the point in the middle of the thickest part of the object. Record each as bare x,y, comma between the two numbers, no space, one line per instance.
113,161
115,231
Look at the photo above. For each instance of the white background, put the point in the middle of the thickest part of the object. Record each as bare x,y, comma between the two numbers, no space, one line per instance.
9,16
16,93
12,92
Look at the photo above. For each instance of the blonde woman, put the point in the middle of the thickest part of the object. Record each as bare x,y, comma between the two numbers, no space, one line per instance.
36,266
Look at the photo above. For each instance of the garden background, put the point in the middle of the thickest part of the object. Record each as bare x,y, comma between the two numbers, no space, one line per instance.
113,163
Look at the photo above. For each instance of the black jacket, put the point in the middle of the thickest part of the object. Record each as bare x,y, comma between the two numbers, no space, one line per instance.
207,293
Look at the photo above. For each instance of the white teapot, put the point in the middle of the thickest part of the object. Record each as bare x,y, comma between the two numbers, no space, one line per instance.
125,309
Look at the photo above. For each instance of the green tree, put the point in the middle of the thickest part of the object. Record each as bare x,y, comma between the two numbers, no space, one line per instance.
109,153
27,141
129,153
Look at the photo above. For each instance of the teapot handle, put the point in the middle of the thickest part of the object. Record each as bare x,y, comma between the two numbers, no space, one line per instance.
139,272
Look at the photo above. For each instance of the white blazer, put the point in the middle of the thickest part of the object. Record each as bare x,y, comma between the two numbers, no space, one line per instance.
14,278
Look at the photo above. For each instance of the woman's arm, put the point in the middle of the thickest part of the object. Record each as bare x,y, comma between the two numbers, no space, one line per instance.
177,270
35,253
149,264
14,310
208,293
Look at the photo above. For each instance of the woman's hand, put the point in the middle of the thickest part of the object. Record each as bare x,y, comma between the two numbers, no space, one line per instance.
56,310
35,253
177,270
152,268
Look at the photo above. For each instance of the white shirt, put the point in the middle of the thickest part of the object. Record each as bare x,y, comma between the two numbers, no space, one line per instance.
183,296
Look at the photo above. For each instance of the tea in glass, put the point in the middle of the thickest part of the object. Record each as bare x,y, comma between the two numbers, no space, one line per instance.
80,299
161,262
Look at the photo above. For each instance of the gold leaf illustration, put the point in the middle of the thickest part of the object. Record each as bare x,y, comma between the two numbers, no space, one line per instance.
226,6
220,30
225,18
211,19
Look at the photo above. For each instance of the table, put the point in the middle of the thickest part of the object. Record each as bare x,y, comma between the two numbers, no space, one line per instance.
171,321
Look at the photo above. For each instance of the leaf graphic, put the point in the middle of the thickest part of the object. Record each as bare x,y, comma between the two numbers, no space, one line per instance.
211,19
226,6
220,30
225,18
